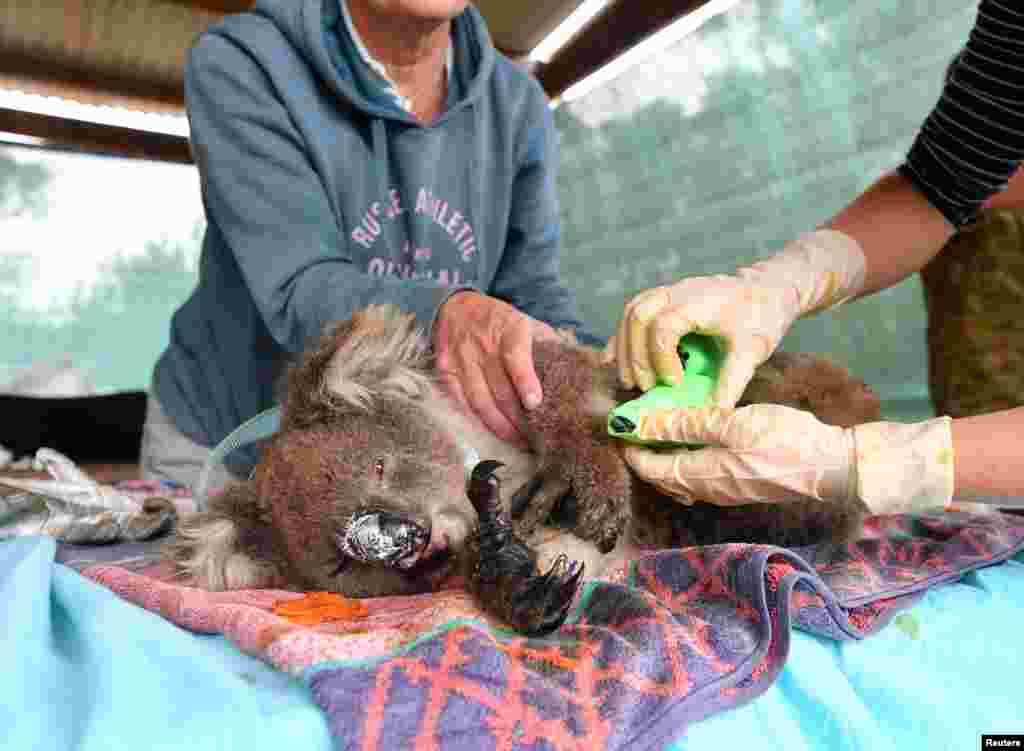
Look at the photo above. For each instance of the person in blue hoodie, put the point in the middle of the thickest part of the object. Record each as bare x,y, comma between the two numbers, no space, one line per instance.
355,152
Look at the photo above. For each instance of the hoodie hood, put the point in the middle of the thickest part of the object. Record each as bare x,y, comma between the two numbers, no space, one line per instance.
316,27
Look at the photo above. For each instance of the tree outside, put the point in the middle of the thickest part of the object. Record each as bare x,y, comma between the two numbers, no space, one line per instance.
22,187
112,328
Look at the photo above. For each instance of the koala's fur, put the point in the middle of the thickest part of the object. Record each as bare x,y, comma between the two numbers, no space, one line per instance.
366,425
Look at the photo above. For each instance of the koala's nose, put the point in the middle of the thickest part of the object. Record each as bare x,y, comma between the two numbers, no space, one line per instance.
381,537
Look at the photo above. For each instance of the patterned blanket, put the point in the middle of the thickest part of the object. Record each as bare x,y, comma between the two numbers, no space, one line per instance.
663,641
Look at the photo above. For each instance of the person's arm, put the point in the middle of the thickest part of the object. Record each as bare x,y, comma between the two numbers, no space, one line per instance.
973,139
1012,197
485,342
263,195
529,276
988,453
897,229
965,153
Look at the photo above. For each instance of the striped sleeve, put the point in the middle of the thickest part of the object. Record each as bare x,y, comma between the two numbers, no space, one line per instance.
973,140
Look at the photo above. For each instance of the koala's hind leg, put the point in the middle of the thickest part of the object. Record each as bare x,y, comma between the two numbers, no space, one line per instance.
219,549
505,573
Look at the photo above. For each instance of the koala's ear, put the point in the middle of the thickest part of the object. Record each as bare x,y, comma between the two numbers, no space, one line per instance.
379,352
221,548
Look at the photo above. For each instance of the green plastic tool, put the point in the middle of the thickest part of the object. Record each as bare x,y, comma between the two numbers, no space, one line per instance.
702,359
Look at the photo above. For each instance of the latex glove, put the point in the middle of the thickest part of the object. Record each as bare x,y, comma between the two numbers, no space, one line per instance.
770,453
749,312
484,351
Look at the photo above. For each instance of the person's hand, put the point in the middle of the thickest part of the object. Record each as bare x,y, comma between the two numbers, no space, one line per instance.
748,319
484,350
748,313
770,453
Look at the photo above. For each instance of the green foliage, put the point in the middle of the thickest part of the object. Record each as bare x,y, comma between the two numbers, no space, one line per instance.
22,187
115,329
131,302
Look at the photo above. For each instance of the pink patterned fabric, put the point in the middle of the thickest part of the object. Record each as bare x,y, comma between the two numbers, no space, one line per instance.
675,636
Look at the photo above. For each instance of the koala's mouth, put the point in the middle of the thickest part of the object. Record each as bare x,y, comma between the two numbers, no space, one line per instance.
425,575
432,569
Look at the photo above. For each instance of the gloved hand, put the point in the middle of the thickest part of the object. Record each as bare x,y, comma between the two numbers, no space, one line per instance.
770,453
749,312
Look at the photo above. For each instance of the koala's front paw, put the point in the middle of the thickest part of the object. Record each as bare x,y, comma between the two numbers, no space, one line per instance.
506,578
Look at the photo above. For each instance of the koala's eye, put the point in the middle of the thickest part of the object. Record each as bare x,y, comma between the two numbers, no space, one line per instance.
378,470
380,537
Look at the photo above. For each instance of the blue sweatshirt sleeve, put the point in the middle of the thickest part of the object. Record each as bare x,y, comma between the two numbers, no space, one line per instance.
528,276
263,194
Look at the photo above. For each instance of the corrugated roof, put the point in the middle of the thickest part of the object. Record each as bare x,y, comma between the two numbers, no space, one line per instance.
132,52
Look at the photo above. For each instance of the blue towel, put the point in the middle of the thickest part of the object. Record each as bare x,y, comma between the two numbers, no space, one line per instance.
84,670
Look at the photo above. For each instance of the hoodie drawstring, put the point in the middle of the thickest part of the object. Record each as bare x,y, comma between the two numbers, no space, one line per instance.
475,197
381,157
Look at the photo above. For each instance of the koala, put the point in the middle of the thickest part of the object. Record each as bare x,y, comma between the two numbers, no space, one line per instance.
364,492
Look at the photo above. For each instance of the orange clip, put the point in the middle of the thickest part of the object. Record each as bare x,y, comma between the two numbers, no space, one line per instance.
315,608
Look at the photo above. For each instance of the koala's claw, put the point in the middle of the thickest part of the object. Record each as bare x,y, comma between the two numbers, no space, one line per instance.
542,602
